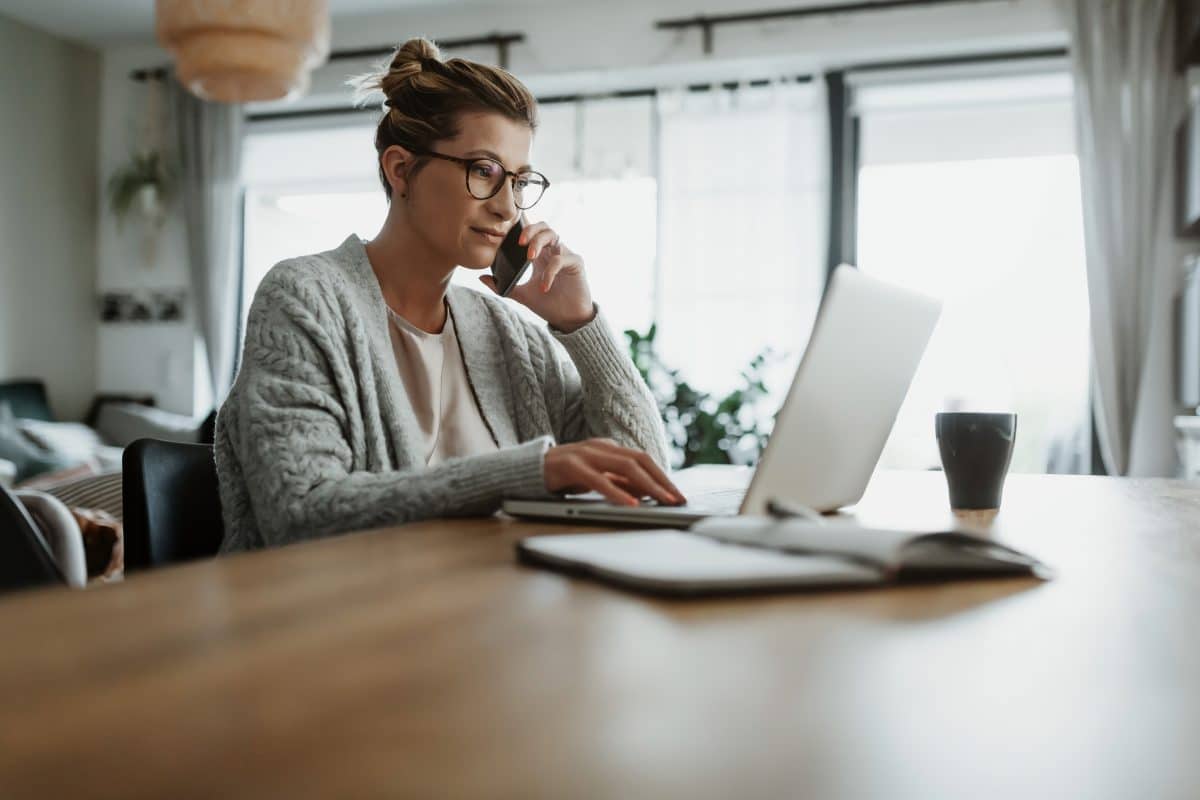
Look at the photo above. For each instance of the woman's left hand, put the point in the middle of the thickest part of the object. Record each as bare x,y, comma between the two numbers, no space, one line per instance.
557,291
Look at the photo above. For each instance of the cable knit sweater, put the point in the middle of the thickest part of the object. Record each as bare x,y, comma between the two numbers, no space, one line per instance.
317,436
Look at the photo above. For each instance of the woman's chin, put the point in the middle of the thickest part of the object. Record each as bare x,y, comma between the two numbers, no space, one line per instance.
475,258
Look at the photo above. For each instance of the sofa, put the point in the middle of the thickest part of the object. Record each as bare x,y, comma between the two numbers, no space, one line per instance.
36,445
68,474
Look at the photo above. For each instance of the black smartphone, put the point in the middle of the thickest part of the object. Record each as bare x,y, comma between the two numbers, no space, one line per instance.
512,259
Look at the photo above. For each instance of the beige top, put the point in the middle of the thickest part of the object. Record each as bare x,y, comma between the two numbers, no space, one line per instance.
435,378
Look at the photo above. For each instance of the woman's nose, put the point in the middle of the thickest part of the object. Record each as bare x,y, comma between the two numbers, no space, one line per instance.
503,203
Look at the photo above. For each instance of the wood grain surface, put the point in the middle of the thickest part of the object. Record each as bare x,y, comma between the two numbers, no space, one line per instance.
422,661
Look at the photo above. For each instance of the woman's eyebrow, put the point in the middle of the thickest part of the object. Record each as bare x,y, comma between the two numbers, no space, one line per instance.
490,154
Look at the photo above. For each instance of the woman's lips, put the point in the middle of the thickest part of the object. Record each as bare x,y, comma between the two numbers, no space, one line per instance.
494,238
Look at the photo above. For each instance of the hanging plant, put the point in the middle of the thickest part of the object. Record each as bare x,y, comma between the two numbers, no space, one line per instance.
142,184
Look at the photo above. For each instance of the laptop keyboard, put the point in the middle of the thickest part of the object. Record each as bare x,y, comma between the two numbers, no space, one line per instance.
723,502
712,492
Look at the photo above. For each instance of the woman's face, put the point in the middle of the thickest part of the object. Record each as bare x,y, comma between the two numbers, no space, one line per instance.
456,225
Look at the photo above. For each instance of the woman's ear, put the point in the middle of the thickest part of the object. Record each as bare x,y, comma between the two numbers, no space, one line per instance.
396,163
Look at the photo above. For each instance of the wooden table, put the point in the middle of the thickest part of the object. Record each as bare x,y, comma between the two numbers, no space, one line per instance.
422,661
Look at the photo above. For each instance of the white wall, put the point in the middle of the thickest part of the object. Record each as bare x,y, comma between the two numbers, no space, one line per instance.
569,47
48,91
142,357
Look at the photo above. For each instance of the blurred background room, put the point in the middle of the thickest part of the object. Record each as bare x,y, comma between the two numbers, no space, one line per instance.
712,161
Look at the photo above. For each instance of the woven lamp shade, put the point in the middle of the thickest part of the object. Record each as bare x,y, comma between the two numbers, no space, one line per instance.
238,51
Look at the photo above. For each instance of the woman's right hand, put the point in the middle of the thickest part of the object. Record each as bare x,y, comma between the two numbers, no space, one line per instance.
621,474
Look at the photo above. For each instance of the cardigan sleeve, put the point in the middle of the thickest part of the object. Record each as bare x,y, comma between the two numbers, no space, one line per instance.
290,439
597,392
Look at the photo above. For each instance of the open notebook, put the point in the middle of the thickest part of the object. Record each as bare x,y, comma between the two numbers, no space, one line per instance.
762,553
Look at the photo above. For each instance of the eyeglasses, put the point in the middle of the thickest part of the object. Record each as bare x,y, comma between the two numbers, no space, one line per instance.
485,178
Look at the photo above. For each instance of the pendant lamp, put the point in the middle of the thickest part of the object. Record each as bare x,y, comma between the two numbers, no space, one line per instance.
238,51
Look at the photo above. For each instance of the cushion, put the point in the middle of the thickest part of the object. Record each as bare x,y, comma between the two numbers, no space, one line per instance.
28,458
71,440
101,492
61,532
96,503
121,424
39,482
8,473
104,544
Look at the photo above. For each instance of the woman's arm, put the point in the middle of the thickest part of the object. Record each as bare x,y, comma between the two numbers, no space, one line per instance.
598,392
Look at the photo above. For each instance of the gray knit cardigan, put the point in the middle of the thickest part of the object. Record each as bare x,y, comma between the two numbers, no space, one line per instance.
317,436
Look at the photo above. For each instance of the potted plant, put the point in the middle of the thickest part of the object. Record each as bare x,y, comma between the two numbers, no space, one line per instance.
142,184
704,429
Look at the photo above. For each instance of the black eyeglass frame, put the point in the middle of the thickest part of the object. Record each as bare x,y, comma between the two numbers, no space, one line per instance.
512,176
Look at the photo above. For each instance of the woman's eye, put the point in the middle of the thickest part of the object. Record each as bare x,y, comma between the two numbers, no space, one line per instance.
485,171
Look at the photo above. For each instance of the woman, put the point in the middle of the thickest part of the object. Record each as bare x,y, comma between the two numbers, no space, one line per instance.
373,392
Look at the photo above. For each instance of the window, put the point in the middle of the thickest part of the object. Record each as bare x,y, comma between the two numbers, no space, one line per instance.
706,213
603,198
306,191
742,230
969,191
703,211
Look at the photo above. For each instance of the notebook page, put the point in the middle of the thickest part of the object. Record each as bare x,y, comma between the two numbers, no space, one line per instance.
675,560
886,549
876,546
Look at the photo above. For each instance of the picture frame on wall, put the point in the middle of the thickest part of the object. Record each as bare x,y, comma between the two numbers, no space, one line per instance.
159,305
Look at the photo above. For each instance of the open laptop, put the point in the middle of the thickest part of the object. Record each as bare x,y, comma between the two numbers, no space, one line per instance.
865,347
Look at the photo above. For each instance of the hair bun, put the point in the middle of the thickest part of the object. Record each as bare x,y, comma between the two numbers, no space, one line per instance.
419,50
415,56
410,60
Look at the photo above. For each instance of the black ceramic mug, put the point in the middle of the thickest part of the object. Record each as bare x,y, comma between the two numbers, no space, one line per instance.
976,450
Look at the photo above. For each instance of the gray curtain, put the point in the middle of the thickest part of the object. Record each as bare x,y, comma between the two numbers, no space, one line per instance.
1129,99
209,143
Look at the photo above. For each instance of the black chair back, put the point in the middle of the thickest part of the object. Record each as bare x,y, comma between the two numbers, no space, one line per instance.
25,560
172,508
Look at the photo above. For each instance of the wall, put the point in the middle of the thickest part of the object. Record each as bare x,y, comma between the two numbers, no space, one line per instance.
570,47
48,91
156,358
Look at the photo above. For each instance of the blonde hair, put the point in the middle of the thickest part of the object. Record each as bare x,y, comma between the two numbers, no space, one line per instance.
425,97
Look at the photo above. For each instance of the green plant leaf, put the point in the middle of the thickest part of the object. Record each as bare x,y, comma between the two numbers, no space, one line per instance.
142,169
702,428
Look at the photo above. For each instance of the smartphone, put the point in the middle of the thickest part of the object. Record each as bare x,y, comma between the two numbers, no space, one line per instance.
512,259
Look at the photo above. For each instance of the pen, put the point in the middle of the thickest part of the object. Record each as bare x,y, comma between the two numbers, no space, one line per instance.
782,509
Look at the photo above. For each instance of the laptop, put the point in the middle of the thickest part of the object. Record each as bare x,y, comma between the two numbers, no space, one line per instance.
865,347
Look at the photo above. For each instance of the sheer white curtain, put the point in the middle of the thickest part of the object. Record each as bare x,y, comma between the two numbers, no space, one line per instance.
210,145
743,199
1128,101
968,191
598,155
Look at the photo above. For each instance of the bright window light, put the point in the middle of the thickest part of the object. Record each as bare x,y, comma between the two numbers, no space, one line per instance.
998,236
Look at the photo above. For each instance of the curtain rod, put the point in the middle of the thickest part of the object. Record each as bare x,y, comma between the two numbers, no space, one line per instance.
501,41
958,61
870,66
616,94
706,22
651,92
